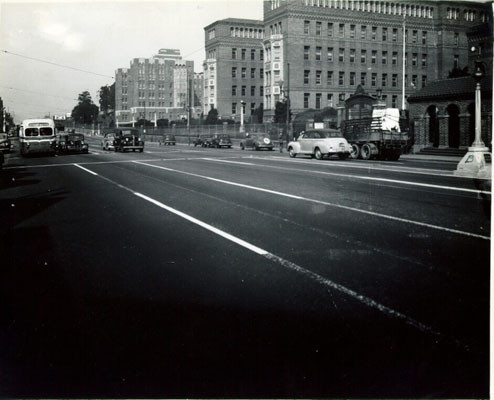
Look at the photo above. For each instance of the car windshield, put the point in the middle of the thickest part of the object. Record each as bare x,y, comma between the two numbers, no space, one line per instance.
127,132
46,131
74,138
324,134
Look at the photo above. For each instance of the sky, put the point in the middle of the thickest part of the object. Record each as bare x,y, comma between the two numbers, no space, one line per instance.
97,37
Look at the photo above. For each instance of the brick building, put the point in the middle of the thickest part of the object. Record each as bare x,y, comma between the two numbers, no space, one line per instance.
326,48
233,69
156,88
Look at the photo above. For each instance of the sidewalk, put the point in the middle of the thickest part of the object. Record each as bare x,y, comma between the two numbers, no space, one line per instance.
430,157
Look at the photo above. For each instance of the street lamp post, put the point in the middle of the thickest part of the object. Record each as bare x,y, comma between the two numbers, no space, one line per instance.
242,104
474,164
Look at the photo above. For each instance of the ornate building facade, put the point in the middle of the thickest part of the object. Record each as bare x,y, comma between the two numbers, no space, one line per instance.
323,49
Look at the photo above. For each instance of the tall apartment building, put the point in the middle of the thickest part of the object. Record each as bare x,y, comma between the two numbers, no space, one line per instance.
233,69
155,88
326,48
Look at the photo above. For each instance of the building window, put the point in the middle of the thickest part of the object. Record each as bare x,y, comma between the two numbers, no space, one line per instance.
457,38
252,108
352,56
374,79
415,36
252,90
415,59
394,101
352,31
318,77
306,77
330,29
395,34
341,78
363,56
374,57
318,53
385,57
234,90
341,30
244,73
424,80
243,53
261,55
363,32
306,52
243,90
341,97
318,28
352,78
234,108
234,53
456,61
306,100
330,54
341,55
374,33
384,80
394,80
261,91
385,34
306,27
253,73
394,58
330,100
253,54
363,78
318,100
414,81
424,37
261,73
330,78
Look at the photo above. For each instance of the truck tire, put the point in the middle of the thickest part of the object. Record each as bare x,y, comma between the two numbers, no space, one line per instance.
366,152
355,151
394,155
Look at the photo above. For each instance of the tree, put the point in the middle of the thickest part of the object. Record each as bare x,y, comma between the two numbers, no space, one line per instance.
457,72
258,114
212,118
163,122
86,112
280,112
107,98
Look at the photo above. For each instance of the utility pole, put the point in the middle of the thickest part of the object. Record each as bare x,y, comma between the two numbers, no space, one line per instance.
403,67
288,103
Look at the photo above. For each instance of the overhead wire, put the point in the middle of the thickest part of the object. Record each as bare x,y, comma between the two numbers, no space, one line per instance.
42,93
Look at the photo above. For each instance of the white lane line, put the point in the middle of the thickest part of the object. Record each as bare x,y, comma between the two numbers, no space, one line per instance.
367,301
231,162
368,178
408,170
85,169
325,203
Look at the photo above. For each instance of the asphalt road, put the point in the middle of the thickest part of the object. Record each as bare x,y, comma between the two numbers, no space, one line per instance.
190,272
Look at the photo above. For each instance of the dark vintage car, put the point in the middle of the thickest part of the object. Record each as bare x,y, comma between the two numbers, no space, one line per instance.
72,143
127,139
219,140
257,141
5,144
167,140
202,140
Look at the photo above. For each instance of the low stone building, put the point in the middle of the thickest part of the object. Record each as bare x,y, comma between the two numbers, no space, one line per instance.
443,113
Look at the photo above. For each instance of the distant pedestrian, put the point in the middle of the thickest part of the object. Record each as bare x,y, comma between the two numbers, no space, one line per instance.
280,137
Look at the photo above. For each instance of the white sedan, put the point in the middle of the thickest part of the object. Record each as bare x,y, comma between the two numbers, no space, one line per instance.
319,143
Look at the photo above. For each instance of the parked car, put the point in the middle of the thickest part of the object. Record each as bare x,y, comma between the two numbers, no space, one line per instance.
257,141
72,143
108,142
202,140
319,143
220,140
128,139
167,140
5,144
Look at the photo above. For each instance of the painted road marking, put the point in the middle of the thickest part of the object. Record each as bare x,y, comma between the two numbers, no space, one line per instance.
85,169
325,203
367,301
369,178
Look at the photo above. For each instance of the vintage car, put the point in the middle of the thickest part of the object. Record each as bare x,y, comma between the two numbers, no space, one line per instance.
5,144
202,140
219,140
128,139
108,142
319,143
72,143
167,140
257,141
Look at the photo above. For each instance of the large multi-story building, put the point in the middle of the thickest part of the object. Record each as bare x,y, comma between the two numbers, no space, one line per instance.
156,88
326,48
233,69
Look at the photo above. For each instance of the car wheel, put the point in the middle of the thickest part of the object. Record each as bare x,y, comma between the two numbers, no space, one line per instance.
355,153
318,154
291,152
242,146
366,152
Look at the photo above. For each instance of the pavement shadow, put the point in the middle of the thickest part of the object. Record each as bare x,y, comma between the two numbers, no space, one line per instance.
15,177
